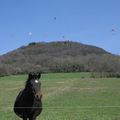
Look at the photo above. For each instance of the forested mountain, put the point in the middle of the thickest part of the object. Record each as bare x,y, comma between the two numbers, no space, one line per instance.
62,56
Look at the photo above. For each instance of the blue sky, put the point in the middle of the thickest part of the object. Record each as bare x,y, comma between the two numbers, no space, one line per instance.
95,22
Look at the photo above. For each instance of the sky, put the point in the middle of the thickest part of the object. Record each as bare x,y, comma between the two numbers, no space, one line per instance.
93,22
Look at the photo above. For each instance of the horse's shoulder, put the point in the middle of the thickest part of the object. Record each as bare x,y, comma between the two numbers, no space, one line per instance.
20,94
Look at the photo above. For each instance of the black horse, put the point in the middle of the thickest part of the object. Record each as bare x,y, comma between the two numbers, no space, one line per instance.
28,103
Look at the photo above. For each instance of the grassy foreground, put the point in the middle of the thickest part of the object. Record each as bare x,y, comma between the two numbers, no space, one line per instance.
66,96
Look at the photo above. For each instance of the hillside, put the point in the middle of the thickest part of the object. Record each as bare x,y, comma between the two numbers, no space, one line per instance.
59,56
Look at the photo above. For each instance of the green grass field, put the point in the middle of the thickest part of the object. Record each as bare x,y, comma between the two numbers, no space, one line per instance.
66,96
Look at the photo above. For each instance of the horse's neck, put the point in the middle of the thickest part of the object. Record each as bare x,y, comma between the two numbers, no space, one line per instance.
28,93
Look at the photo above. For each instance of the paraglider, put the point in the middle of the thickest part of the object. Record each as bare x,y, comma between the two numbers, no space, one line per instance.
63,36
113,30
30,35
54,18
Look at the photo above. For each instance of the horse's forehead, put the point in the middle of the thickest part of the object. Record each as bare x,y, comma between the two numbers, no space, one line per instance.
36,81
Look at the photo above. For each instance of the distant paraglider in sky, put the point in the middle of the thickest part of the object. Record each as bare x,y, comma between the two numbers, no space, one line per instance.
30,35
54,18
113,30
63,36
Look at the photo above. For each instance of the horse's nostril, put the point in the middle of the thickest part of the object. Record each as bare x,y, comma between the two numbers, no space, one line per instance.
37,97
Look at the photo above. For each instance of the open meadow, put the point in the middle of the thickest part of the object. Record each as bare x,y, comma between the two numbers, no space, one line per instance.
66,96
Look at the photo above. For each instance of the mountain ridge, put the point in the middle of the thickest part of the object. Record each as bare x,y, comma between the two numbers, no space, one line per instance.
59,56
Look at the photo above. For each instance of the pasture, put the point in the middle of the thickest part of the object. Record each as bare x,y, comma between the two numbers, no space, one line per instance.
66,96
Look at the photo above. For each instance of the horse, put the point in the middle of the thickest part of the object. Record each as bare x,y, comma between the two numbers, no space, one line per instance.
28,103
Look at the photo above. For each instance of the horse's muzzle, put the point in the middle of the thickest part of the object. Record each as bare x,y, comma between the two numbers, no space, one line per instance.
38,96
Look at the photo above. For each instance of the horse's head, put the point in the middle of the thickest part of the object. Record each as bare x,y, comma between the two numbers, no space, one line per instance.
35,84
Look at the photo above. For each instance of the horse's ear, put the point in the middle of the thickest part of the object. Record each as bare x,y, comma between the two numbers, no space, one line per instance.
39,75
30,75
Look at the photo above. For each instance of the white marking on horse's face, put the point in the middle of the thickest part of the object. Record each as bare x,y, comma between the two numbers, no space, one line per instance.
36,81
